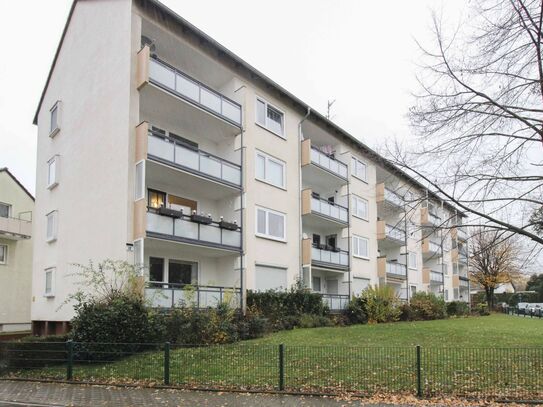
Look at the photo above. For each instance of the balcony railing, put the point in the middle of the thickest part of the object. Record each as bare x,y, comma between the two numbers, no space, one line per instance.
330,209
396,269
461,234
182,85
182,228
433,247
393,198
462,256
394,233
166,295
335,302
15,228
333,257
192,159
436,277
331,164
434,219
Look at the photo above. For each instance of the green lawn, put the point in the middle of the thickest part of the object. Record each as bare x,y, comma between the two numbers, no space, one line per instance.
498,356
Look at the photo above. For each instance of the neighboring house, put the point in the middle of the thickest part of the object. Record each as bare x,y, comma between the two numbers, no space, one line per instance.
159,146
16,207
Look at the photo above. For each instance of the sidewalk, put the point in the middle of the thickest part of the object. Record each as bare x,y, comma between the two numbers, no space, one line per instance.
15,393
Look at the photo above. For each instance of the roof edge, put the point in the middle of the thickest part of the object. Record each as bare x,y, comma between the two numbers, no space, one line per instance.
6,170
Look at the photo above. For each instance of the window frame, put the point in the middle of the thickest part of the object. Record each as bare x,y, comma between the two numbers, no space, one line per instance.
355,214
267,157
56,107
265,125
139,183
353,172
267,235
409,264
54,159
9,209
4,261
51,292
50,239
359,256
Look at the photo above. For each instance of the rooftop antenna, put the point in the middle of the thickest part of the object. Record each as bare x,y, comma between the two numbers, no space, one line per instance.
328,109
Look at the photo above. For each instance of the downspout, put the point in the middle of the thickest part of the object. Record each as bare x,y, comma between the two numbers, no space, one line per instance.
300,231
407,290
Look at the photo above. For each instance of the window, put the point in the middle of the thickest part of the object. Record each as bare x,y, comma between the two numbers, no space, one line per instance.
360,207
270,224
49,282
156,199
156,269
3,254
446,295
52,226
270,278
52,172
182,272
412,260
359,169
360,247
270,170
55,119
139,186
269,117
413,290
359,285
138,254
5,210
316,284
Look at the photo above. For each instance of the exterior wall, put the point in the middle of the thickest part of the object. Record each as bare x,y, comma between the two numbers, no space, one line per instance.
91,79
16,275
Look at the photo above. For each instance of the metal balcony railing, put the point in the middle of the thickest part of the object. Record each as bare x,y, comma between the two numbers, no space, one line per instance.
331,164
393,198
330,209
335,302
335,257
182,85
168,295
396,269
394,233
195,160
436,277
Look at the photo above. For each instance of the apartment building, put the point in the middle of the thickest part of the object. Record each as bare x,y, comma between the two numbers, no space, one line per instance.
16,207
171,152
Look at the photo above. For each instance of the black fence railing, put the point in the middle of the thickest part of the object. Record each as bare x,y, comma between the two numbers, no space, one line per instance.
505,374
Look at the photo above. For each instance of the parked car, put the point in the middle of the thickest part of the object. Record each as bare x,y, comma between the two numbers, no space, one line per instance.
521,307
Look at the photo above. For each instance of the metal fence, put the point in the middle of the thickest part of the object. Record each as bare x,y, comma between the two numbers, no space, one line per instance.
507,374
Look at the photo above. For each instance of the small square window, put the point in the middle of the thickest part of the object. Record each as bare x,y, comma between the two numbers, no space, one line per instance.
49,282
54,126
360,247
360,207
52,226
270,170
270,117
5,210
270,224
3,254
52,172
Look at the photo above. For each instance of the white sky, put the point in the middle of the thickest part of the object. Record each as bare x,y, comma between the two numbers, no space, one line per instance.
361,53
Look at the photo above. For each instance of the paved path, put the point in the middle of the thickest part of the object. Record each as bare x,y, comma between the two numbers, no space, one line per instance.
18,393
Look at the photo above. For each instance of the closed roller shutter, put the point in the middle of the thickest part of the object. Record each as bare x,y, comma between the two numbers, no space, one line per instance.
270,278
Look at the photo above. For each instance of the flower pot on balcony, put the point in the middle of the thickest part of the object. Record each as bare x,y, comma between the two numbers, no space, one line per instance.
204,220
228,225
172,213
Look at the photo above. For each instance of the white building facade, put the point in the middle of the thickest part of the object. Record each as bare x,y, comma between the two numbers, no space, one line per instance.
171,152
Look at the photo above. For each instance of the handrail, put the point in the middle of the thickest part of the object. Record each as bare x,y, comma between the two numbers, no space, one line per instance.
183,216
334,250
394,231
164,285
340,164
396,268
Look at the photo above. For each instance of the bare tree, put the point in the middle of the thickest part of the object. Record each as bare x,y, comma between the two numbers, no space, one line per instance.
479,116
494,261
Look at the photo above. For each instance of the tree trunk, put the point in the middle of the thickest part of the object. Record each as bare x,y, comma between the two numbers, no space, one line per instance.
489,294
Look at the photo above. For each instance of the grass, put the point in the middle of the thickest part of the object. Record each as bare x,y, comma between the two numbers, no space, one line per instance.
498,356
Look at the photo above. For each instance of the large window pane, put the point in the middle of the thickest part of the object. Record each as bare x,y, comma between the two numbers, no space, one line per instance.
275,173
275,120
180,272
156,269
276,225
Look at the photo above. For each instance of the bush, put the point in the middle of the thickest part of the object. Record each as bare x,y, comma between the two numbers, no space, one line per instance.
355,313
32,352
406,313
314,321
381,304
457,308
252,326
427,306
481,309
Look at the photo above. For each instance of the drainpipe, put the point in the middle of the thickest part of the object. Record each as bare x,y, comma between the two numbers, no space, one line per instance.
300,137
406,242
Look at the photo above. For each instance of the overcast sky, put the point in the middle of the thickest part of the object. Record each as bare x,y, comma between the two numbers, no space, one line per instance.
360,53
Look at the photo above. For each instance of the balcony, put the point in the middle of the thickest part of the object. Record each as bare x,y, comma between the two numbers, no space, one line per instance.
391,235
430,248
436,277
327,211
198,230
165,295
197,162
168,78
391,269
460,233
322,170
324,257
335,302
388,197
428,218
15,229
460,256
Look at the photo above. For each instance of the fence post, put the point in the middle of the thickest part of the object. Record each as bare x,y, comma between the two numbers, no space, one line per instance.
167,363
70,360
419,378
281,367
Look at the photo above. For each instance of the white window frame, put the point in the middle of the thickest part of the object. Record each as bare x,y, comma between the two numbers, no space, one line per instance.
8,206
410,256
52,238
355,239
355,202
138,252
267,235
355,160
51,292
139,183
53,131
265,125
268,158
4,261
54,182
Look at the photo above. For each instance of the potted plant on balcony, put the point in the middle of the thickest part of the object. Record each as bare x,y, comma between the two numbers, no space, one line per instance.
203,219
172,213
228,225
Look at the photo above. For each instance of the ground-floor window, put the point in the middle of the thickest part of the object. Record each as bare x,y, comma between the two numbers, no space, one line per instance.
316,282
172,271
270,278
